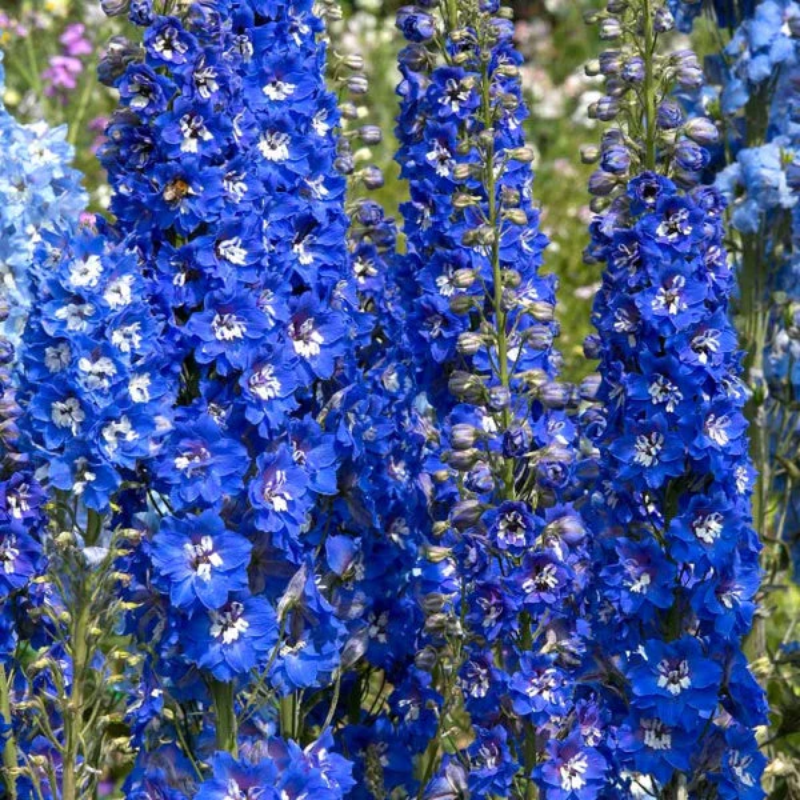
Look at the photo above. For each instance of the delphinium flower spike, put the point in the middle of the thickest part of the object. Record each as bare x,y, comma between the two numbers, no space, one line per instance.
501,576
676,555
60,565
224,163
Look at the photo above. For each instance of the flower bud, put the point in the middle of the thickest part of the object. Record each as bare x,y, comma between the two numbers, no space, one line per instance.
610,62
358,84
542,311
466,513
555,395
589,387
463,436
348,110
669,115
602,183
415,25
702,131
606,108
466,386
633,70
372,177
370,134
461,304
516,216
499,398
610,29
463,460
690,156
663,21
479,479
469,343
592,347
462,171
616,159
463,278
114,8
510,278
539,337
353,61
525,154
589,153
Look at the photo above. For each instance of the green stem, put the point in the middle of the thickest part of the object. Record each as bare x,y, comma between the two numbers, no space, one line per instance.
649,87
73,719
497,279
10,748
227,728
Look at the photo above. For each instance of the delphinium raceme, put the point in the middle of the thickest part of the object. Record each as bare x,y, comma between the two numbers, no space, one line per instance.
222,160
501,576
38,187
676,555
59,560
91,392
755,85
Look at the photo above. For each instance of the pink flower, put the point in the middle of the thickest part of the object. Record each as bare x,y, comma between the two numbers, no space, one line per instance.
61,74
75,43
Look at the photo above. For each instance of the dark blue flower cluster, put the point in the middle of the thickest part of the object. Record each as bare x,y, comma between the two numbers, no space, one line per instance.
283,481
676,556
501,578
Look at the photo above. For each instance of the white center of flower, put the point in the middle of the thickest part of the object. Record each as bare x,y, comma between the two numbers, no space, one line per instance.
656,735
705,344
194,131
228,327
663,391
169,45
647,448
119,292
67,414
116,431
306,338
572,772
545,577
202,557
231,250
511,529
275,493
192,459
235,186
707,527
674,677
263,383
279,90
716,428
205,81
9,554
139,388
86,273
669,297
57,358
76,315
440,159
127,337
274,146
675,225
229,625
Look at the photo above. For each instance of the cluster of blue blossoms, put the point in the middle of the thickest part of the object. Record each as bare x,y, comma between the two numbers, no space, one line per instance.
334,496
502,581
676,556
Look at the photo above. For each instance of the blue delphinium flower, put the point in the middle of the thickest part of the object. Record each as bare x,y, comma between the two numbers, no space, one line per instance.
502,576
39,189
671,506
